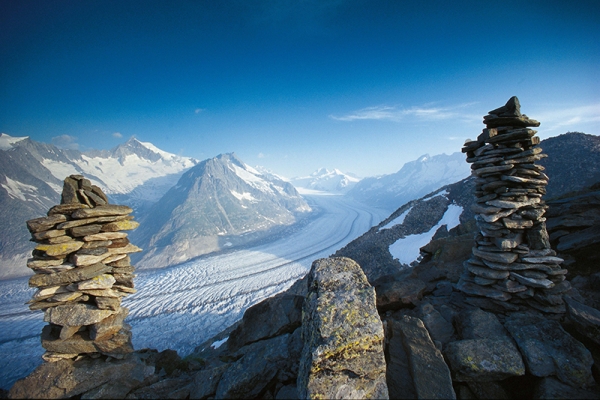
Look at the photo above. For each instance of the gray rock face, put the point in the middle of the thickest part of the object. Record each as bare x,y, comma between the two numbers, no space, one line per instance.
342,333
272,317
260,363
205,382
397,294
586,319
549,350
429,372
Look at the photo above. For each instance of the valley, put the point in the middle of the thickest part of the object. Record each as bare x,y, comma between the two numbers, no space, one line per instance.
182,306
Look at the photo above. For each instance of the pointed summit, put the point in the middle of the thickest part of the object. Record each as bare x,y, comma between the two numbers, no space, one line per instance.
221,202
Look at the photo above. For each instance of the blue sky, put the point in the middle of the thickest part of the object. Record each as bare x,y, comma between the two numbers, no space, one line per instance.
363,86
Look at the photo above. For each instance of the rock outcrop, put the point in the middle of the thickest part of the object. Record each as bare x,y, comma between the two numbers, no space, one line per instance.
82,271
343,335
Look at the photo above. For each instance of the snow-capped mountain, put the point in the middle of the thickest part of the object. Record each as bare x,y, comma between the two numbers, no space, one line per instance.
334,181
136,173
217,204
415,179
32,174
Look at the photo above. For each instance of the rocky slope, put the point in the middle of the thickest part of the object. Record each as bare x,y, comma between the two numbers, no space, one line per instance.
218,204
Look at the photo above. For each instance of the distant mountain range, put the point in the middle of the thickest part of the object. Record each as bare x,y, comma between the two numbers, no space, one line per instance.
334,181
32,174
188,208
413,180
219,203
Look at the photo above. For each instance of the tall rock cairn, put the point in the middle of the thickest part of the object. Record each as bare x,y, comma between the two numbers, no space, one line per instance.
82,271
512,263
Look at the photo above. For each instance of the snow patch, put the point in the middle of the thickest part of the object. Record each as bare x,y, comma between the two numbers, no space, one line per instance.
59,169
396,221
163,154
444,193
18,190
407,249
219,343
243,196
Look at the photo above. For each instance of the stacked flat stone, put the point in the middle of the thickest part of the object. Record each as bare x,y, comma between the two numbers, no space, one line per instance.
512,263
82,271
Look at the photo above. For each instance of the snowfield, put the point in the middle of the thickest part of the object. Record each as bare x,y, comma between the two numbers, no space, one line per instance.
181,307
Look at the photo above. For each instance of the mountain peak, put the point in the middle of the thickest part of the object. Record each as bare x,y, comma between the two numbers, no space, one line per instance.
326,180
7,141
424,158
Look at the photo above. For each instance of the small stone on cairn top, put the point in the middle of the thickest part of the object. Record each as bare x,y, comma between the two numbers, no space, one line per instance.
512,265
82,271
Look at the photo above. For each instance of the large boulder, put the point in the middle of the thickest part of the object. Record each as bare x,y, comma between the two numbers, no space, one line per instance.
342,333
271,317
549,350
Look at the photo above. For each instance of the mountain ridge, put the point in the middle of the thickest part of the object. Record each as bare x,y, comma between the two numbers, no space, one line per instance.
415,179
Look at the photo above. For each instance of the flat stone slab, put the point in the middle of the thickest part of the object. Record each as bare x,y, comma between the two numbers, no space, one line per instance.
77,314
533,282
483,291
45,223
78,377
101,211
484,360
60,249
504,257
69,276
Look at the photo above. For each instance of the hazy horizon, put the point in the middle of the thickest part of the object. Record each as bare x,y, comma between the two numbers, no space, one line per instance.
294,86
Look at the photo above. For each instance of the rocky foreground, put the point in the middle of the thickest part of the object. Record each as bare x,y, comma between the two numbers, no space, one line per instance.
347,331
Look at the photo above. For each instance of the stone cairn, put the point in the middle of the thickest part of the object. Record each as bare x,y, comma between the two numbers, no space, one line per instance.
512,261
82,271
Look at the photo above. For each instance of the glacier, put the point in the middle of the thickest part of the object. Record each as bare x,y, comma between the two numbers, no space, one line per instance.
181,307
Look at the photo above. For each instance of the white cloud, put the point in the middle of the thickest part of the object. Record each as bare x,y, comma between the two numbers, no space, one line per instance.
65,142
199,110
261,155
566,118
395,113
117,135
